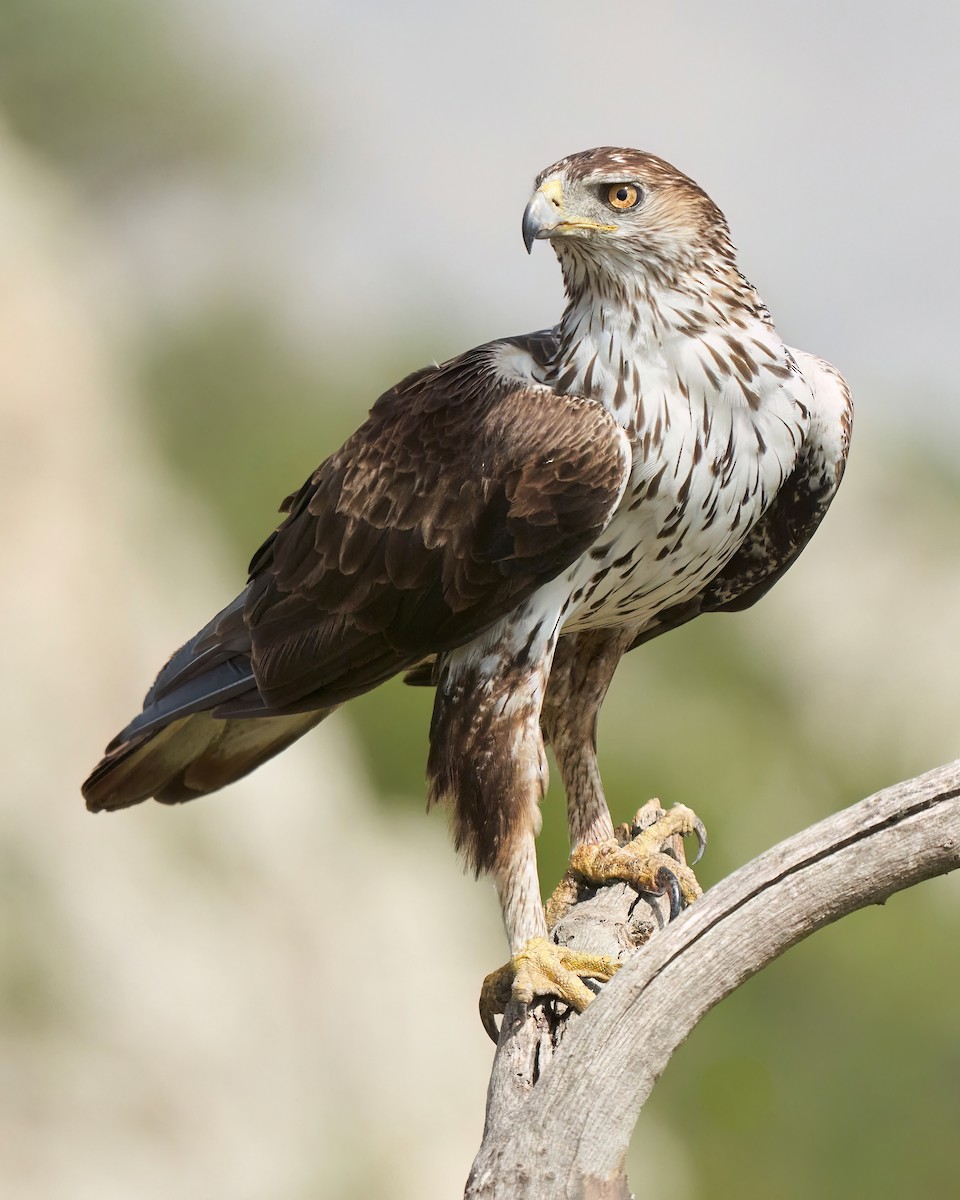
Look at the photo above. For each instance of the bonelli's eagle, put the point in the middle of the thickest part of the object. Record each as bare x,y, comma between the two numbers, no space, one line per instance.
507,524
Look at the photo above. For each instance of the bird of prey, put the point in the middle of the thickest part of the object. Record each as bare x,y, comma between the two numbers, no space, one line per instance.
506,525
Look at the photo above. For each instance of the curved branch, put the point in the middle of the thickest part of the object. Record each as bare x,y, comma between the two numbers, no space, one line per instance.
568,1135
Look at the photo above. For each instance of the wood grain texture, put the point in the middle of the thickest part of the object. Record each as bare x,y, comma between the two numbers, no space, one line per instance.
560,1110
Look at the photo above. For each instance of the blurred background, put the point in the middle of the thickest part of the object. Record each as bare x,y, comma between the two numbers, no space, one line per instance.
225,228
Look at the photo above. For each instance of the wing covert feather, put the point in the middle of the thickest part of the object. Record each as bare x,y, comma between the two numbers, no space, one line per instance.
463,491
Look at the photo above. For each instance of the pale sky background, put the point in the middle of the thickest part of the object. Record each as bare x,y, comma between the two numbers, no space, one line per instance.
827,132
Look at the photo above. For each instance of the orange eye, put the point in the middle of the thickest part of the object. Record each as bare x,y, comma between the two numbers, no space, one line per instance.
623,196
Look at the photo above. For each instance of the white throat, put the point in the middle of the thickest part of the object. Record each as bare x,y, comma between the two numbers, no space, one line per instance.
630,340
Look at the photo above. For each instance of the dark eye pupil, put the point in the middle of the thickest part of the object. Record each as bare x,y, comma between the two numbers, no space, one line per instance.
622,194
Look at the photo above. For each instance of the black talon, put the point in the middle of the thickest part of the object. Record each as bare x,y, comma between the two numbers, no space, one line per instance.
670,883
490,1025
700,831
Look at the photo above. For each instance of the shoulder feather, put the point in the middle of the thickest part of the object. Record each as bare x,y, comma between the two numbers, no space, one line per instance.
467,487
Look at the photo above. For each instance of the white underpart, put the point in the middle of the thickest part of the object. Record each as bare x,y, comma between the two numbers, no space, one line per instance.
694,430
830,411
723,503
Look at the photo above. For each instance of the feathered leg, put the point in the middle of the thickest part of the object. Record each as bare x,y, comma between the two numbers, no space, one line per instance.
490,696
583,668
487,761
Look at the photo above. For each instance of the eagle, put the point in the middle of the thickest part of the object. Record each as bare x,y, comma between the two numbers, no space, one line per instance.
505,526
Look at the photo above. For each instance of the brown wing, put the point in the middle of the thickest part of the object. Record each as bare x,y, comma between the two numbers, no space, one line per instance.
467,488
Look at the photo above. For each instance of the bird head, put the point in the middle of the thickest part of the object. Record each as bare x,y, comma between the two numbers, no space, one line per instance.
618,206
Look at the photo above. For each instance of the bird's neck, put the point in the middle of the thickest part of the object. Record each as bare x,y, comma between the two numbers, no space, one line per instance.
625,332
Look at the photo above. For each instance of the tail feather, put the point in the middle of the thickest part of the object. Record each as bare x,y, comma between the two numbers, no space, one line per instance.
190,757
223,682
235,749
182,744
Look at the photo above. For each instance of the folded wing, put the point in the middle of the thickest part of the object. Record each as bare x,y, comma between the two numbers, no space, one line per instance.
468,487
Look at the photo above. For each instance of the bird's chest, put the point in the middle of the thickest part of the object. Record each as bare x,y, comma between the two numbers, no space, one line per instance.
701,478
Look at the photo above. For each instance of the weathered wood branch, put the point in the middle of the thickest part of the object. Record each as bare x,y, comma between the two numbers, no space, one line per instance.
566,1091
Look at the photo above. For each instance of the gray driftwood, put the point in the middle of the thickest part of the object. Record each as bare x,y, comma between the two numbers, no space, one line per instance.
566,1090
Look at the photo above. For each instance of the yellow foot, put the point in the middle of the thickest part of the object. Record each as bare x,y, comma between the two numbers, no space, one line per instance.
643,862
542,968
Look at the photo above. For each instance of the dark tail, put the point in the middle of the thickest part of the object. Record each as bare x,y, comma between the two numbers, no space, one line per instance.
178,748
190,757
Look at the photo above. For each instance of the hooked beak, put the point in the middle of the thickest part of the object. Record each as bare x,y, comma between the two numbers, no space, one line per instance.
544,212
544,215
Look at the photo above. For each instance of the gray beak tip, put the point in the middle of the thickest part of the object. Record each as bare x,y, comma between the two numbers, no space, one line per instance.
539,218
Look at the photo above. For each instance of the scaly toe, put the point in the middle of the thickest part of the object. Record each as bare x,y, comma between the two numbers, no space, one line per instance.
643,863
542,968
